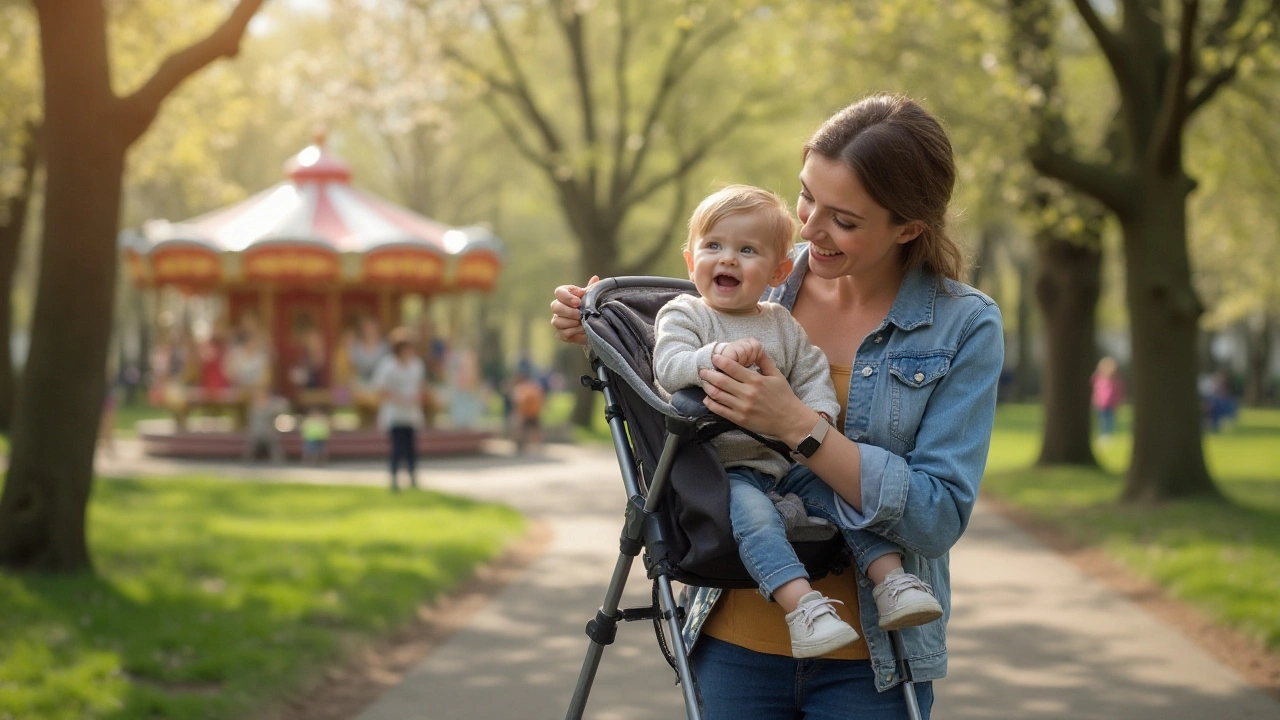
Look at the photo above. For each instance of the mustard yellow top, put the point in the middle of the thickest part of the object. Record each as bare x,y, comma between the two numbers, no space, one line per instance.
744,618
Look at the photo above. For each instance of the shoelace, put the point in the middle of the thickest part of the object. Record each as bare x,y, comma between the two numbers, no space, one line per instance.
812,610
899,584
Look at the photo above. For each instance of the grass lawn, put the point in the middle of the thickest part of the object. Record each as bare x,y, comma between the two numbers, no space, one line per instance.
1221,556
213,597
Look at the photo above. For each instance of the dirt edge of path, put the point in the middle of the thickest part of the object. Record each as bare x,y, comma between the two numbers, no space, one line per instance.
1231,647
343,691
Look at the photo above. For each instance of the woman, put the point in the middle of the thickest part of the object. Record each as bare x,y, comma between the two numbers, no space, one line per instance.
399,380
915,357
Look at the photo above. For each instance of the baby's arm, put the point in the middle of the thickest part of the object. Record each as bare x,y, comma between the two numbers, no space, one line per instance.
680,351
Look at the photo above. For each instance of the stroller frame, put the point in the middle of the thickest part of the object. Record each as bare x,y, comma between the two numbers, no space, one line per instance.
643,530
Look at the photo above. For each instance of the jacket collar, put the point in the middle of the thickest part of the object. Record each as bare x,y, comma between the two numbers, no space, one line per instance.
912,308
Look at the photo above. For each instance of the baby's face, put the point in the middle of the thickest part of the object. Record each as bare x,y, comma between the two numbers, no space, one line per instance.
734,262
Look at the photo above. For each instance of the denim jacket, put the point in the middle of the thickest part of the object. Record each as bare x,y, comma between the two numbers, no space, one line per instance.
922,401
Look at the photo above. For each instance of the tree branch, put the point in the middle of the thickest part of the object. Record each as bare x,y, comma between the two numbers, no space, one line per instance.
139,109
519,85
675,67
517,138
623,106
691,159
1110,43
1216,37
1166,141
1108,186
643,264
572,24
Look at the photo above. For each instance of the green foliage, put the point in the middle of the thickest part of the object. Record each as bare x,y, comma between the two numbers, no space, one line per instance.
212,597
1223,557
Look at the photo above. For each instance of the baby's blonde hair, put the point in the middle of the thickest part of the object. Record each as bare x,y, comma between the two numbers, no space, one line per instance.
740,199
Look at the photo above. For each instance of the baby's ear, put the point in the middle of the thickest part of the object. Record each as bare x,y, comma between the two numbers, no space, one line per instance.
780,275
688,260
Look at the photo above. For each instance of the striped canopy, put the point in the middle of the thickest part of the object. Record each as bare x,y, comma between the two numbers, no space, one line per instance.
313,228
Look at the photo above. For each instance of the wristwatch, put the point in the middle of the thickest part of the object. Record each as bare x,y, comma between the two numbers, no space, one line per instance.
810,444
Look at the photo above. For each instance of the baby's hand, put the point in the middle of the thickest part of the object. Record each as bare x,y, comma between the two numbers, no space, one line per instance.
744,351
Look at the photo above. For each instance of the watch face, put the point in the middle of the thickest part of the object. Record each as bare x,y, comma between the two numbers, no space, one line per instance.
809,446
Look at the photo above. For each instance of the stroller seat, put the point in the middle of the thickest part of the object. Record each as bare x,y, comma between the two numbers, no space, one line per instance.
618,316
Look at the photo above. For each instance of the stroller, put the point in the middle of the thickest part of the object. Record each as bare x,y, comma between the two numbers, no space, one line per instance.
676,510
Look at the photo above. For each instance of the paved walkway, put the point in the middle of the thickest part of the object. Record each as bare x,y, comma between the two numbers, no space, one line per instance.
1030,637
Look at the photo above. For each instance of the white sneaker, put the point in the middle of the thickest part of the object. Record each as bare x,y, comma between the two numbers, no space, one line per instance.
905,600
815,627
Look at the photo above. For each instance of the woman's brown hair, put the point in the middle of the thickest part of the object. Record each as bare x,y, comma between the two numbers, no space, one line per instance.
901,155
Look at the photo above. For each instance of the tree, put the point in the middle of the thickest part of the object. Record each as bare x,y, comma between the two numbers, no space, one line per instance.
88,131
1068,239
19,136
1162,79
13,221
618,136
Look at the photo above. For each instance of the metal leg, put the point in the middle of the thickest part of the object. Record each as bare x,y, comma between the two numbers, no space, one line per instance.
668,601
908,687
601,630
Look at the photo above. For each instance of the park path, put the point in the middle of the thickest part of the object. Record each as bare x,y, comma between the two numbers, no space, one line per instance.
1031,636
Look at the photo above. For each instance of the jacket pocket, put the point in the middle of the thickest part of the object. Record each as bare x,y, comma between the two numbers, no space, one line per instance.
914,378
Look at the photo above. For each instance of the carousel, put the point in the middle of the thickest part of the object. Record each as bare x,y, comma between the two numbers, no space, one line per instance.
307,261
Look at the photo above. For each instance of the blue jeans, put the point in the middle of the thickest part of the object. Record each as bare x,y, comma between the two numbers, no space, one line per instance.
735,683
403,449
761,535
1106,421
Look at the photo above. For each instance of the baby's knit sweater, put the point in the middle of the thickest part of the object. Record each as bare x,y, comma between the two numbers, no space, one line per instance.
688,332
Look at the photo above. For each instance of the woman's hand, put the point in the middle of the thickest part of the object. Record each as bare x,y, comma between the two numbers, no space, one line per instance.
761,402
565,316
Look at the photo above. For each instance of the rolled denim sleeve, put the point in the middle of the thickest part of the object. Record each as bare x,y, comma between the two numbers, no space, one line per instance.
923,501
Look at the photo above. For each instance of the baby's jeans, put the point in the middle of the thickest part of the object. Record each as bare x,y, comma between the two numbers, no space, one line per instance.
758,528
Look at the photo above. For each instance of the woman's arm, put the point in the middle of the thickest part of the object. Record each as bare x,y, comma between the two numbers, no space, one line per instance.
921,501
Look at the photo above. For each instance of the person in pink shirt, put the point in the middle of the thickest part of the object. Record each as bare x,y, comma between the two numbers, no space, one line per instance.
1108,393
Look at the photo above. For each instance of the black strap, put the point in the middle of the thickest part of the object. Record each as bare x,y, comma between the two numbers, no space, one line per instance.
715,428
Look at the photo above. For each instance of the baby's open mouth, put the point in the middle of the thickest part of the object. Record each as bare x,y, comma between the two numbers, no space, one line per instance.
727,281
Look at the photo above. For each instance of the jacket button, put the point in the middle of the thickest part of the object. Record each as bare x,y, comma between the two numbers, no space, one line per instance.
866,371
919,377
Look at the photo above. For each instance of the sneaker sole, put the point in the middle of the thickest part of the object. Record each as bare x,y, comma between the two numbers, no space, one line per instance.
910,617
832,643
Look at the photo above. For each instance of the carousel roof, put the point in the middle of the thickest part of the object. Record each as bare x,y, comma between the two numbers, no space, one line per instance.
313,227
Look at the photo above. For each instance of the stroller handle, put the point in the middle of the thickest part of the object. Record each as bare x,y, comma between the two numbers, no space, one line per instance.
592,298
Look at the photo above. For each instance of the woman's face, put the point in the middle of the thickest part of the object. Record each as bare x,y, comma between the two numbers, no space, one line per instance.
849,233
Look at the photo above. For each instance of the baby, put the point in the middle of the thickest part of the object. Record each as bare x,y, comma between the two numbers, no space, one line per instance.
739,243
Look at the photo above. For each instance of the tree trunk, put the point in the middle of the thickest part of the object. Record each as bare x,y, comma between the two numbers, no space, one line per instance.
42,511
1068,283
1026,378
1168,453
599,257
1257,378
10,242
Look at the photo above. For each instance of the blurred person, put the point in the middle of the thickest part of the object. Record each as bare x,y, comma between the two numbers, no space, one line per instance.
1216,400
1106,395
399,379
261,434
366,350
315,437
463,382
343,375
527,397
